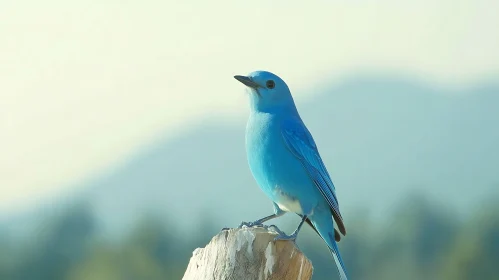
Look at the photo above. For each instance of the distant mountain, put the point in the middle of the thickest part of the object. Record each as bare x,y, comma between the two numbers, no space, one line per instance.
380,139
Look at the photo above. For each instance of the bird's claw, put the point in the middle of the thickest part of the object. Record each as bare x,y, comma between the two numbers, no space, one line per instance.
250,224
283,236
247,224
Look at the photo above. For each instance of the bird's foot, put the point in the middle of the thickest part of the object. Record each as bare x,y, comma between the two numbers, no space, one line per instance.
282,235
251,224
257,223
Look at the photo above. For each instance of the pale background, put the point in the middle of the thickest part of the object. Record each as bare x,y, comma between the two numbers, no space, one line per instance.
130,106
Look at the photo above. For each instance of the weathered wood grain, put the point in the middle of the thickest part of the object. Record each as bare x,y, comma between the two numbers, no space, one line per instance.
248,253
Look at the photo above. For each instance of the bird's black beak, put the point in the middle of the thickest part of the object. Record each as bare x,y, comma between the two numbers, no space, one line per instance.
247,81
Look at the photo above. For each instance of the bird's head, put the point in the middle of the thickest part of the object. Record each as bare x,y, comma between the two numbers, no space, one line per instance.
268,92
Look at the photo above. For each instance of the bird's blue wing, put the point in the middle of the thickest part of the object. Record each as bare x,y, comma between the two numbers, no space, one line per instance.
300,142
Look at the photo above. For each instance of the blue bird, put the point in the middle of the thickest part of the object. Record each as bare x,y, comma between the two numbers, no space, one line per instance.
286,164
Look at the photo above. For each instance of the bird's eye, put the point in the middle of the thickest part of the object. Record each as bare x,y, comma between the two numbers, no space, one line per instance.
270,84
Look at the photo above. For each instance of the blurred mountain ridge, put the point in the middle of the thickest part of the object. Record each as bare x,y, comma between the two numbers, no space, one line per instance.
380,137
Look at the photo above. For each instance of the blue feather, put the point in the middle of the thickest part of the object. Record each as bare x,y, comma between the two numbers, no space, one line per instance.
286,164
301,143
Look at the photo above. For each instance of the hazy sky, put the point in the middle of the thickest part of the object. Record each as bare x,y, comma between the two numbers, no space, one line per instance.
84,84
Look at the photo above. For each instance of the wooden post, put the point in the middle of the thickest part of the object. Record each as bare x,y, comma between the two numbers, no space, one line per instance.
248,253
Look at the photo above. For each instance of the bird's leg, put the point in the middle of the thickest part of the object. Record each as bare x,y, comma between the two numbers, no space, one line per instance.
292,237
277,213
259,222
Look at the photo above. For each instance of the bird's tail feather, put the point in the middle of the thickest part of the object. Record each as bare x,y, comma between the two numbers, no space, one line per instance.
337,258
324,227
